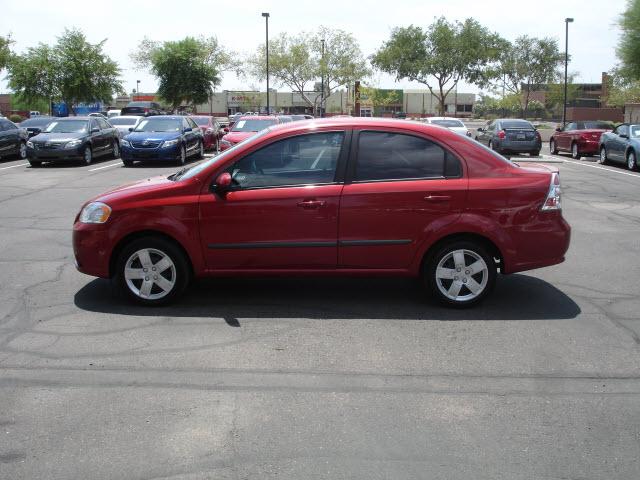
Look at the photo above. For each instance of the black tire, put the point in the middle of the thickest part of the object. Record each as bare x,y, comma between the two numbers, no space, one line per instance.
87,155
115,149
182,158
127,163
35,163
181,270
575,151
553,148
535,153
472,250
200,150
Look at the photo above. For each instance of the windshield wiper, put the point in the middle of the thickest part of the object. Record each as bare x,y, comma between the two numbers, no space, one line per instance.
178,174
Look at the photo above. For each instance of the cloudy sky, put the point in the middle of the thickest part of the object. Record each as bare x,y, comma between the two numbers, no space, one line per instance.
239,26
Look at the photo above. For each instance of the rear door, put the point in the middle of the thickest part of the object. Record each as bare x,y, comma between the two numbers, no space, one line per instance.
398,187
282,212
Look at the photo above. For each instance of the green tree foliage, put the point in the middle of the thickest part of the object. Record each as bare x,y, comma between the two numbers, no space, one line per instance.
527,64
621,89
629,44
555,93
5,51
187,70
73,70
298,62
380,97
440,56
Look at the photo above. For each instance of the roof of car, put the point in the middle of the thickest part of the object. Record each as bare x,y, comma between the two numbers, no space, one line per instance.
87,118
258,117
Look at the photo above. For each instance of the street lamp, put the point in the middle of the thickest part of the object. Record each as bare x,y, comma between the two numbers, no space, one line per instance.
138,87
322,82
567,21
266,20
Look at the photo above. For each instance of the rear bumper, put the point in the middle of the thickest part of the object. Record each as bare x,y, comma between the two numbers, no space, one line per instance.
588,146
513,146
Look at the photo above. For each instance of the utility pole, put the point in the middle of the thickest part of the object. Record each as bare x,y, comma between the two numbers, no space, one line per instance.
567,21
322,81
266,19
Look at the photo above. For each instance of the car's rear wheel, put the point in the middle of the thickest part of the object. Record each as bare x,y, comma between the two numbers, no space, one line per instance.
152,271
127,163
87,156
22,151
200,150
631,160
115,149
35,164
460,273
553,148
575,153
602,158
182,158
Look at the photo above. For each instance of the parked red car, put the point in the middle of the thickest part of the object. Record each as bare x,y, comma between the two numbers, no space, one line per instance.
579,138
211,130
245,127
346,196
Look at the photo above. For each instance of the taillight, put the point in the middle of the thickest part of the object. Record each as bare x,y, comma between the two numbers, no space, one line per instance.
538,135
584,136
502,134
552,202
146,110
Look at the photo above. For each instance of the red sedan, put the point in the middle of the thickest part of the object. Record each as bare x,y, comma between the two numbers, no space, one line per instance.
579,138
346,196
246,126
211,130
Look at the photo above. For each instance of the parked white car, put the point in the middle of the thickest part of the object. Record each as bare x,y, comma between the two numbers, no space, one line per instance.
113,113
124,123
450,123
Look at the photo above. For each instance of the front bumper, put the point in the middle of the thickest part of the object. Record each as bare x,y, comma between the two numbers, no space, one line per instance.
92,249
158,153
55,154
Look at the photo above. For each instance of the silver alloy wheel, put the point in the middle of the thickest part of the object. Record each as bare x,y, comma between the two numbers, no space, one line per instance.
603,156
87,155
574,151
462,275
150,274
631,161
183,155
23,150
552,146
116,149
201,149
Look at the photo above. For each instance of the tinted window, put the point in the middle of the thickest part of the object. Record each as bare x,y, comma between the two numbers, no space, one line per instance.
516,124
252,125
491,126
67,126
448,123
302,160
103,123
123,121
159,125
635,130
598,125
192,124
571,126
202,121
35,122
139,104
4,125
623,130
395,156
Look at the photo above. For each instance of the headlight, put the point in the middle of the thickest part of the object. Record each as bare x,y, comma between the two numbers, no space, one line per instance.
95,212
30,144
125,143
170,143
73,143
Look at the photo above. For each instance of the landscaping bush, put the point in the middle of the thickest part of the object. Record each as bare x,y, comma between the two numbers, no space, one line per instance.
15,118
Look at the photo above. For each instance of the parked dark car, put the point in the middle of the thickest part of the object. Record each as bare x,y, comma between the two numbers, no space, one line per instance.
579,138
13,140
621,146
171,138
508,135
35,125
74,138
347,196
145,109
211,130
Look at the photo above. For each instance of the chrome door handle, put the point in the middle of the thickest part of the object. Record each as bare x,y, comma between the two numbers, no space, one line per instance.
309,204
437,198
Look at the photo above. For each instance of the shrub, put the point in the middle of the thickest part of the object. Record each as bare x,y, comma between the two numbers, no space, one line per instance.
15,118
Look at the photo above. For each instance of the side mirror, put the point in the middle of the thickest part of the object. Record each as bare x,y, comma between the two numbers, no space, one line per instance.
223,182
624,135
188,129
480,129
95,130
225,129
558,129
131,129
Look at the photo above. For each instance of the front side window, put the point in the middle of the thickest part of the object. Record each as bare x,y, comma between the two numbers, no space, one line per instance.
103,123
571,126
396,156
301,160
623,130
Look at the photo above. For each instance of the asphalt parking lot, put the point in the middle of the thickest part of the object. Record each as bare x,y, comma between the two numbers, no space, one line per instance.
318,378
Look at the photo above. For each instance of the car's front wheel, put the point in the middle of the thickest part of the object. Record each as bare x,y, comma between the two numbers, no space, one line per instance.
182,158
22,151
87,156
152,271
115,149
602,158
460,274
553,148
200,150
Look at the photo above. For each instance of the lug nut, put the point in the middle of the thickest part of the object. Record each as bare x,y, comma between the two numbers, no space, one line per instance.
146,279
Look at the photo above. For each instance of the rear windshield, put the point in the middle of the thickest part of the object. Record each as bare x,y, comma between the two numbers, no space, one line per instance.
139,104
516,124
448,123
202,121
122,121
252,125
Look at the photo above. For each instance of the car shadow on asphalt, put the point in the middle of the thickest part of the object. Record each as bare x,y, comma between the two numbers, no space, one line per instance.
516,297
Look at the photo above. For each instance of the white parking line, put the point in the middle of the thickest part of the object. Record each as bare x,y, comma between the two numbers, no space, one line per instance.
629,174
106,166
14,166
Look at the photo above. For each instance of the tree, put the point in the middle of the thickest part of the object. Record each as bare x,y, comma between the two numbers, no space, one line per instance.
188,70
73,70
621,89
527,64
554,97
300,62
5,51
445,53
380,97
629,45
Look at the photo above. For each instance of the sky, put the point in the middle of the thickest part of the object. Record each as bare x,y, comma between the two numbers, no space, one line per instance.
240,27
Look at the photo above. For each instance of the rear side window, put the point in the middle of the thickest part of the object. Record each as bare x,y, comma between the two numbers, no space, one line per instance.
396,156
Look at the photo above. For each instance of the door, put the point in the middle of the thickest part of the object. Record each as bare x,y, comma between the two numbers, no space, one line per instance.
97,138
282,211
563,138
398,186
617,146
106,135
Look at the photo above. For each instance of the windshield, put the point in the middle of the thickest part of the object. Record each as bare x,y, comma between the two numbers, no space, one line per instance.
159,125
598,125
448,123
67,126
122,121
193,171
252,125
202,121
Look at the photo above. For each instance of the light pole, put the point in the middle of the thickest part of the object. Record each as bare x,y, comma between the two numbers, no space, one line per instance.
322,81
138,87
266,21
567,21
